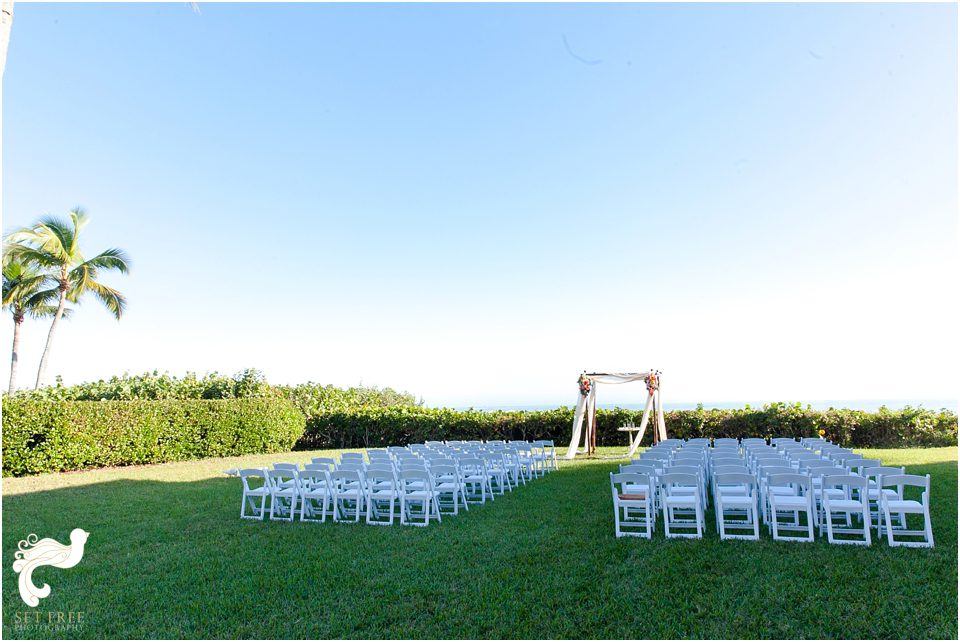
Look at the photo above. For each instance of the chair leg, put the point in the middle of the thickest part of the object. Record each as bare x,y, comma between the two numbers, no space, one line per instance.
890,541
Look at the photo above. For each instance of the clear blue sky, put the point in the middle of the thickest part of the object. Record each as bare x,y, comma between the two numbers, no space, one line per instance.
475,203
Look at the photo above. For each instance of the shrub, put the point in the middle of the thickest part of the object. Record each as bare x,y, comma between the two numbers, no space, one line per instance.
45,436
372,427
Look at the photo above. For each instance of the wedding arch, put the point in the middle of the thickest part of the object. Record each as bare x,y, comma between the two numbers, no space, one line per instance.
587,409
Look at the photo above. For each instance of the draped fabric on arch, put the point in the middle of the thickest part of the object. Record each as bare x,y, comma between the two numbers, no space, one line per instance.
587,409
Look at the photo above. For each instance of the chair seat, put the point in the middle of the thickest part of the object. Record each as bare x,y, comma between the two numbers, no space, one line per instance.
633,496
834,493
789,501
888,492
418,495
846,505
780,490
736,500
263,490
680,500
731,490
904,506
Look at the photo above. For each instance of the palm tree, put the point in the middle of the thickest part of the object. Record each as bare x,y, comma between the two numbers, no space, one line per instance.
52,246
24,295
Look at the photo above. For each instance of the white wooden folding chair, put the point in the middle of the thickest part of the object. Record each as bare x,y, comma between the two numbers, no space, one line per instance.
791,505
850,506
735,503
473,472
497,472
416,491
682,509
449,488
381,494
348,492
634,513
902,506
256,490
315,495
353,458
330,462
551,451
874,474
284,493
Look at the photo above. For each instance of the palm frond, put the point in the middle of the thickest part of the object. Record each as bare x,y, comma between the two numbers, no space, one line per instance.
112,299
56,236
41,298
19,252
47,311
111,259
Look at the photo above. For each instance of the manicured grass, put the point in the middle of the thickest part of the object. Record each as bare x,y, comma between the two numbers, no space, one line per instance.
169,557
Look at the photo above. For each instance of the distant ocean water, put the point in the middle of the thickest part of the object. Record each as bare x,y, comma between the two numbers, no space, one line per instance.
870,405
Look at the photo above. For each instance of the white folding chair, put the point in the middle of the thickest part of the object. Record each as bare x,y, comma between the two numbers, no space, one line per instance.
314,489
330,462
497,473
633,510
353,458
874,474
347,488
551,451
416,490
255,487
735,502
682,508
473,472
847,507
382,494
792,505
284,493
903,507
449,488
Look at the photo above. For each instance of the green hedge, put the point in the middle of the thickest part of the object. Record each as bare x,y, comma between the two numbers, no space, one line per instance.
371,427
50,436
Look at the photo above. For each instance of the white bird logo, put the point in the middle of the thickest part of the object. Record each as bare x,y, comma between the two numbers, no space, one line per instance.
33,554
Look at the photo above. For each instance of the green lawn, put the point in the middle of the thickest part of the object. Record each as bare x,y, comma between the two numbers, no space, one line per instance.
169,557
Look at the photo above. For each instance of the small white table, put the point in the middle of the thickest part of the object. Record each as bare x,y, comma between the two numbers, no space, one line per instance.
629,429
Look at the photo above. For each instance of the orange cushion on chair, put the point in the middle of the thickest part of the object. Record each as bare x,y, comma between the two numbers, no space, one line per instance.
633,496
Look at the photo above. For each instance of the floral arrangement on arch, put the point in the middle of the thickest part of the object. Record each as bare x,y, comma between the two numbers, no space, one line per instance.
652,382
585,384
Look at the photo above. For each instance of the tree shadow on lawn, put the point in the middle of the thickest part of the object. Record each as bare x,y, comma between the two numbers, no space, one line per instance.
173,559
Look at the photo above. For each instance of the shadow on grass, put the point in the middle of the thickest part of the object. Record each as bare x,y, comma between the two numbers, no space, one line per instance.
173,559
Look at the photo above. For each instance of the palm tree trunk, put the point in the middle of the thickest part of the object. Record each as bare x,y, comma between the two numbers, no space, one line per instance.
53,329
16,354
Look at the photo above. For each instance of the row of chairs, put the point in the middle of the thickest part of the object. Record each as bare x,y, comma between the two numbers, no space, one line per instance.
792,488
416,484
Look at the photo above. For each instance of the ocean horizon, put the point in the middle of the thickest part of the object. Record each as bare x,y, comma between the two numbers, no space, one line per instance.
869,405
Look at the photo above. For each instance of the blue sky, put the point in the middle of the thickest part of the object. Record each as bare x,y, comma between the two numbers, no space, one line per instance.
477,202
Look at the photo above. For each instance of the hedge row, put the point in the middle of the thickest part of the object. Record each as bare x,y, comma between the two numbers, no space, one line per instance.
49,436
44,436
372,427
